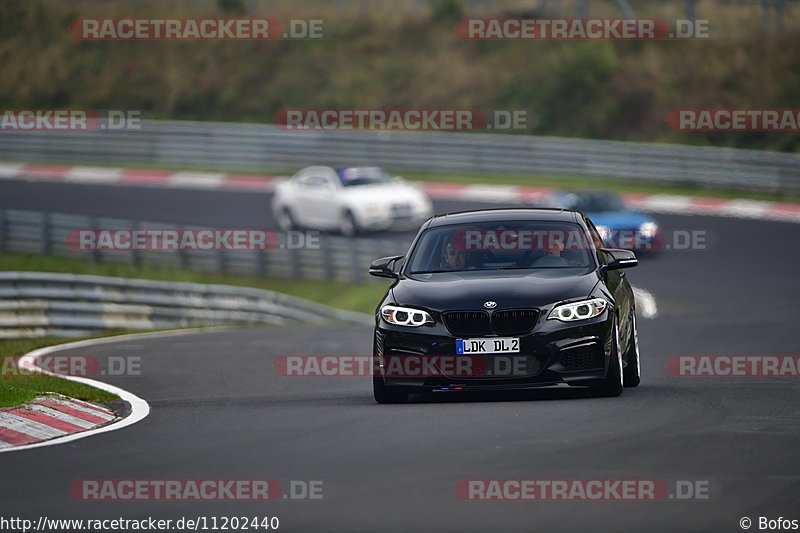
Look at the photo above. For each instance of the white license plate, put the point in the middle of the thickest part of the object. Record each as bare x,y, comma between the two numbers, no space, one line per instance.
492,345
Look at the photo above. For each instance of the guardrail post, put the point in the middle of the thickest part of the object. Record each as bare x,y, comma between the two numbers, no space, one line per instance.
764,15
294,262
355,274
327,258
691,9
44,234
221,260
183,259
95,250
260,268
583,9
136,258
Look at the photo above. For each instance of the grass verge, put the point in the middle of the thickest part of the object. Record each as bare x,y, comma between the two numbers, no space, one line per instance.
18,387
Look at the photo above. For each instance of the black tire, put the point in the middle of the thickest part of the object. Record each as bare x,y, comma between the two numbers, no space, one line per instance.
386,394
611,386
347,224
631,372
285,219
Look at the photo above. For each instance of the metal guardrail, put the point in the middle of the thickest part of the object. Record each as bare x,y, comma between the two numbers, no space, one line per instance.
38,304
336,258
252,146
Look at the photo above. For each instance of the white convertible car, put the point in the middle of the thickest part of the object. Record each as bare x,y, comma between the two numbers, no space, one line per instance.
349,200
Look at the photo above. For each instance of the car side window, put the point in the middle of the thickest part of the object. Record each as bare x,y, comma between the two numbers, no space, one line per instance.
315,182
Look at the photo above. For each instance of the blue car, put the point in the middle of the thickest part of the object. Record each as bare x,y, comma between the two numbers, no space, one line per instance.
619,226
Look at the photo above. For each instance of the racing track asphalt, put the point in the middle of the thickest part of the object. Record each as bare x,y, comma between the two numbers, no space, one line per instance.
219,411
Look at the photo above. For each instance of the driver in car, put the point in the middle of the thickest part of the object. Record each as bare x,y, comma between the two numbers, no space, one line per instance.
551,255
452,257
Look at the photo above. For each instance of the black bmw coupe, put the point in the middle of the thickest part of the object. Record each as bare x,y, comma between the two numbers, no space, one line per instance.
505,299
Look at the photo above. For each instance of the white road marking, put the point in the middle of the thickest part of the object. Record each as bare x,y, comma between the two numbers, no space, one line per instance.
10,170
196,180
98,175
489,193
745,208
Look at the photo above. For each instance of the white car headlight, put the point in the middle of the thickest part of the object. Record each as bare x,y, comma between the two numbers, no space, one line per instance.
648,229
579,310
405,316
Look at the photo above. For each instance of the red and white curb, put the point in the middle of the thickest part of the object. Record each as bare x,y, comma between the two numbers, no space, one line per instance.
46,436
504,194
48,417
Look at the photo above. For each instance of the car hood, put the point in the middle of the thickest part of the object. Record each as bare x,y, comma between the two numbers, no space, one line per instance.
510,289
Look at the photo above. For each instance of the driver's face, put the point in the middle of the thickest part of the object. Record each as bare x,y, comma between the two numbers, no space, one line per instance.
455,258
554,249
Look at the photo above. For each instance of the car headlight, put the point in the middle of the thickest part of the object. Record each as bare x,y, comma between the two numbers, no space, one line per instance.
579,310
648,229
405,316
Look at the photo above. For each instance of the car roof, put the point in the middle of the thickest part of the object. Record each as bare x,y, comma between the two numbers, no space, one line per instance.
514,213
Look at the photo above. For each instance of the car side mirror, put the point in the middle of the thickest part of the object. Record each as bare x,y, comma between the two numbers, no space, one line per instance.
384,267
619,258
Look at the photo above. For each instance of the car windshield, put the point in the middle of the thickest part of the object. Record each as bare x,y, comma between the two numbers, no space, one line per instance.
354,176
597,202
501,245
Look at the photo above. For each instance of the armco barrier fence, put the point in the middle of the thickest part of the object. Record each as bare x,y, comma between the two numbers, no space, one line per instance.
336,258
253,146
38,304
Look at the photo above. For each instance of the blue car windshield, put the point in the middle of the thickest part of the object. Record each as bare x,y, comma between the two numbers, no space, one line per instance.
600,202
502,245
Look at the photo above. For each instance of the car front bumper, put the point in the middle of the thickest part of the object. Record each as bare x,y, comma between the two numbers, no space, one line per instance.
552,353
